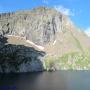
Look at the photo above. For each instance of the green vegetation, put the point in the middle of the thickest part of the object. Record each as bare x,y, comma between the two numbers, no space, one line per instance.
69,61
77,42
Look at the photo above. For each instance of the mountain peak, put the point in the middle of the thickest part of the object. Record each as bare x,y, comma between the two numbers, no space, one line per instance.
31,34
41,25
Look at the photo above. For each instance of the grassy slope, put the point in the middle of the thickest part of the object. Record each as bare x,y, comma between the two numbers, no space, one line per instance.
75,57
69,61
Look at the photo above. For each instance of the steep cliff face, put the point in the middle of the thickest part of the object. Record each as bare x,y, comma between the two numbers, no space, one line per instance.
43,29
38,25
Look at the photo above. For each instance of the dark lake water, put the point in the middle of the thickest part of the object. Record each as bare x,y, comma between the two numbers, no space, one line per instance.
59,80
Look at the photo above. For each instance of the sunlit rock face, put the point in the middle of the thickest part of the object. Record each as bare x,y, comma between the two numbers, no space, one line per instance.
39,25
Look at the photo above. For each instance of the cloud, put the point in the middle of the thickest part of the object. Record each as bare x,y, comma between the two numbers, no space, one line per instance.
45,1
64,10
87,31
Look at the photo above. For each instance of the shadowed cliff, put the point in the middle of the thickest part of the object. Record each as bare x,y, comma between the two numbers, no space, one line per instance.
19,58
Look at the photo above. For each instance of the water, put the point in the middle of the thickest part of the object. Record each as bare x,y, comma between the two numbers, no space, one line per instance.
59,80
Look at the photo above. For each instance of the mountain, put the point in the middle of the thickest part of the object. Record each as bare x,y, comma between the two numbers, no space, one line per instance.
40,30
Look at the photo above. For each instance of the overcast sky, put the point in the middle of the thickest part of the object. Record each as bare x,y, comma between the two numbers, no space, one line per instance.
77,10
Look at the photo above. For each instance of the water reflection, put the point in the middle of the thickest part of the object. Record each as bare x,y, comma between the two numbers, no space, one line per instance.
59,80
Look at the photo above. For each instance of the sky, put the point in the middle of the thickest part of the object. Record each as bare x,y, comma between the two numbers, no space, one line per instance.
77,10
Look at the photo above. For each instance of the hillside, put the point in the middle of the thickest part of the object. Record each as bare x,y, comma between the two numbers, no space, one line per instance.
46,30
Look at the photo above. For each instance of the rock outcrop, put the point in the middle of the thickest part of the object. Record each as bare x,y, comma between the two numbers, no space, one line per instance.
19,58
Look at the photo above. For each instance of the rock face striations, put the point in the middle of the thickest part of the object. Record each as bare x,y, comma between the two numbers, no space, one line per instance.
32,34
38,25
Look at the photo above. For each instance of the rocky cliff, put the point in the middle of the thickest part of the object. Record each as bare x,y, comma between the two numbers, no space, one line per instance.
32,33
39,25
